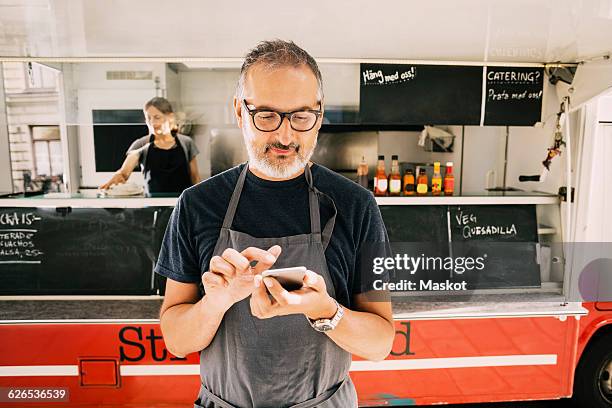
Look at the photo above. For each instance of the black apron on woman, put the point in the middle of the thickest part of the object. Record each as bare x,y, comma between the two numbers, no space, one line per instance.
282,361
166,170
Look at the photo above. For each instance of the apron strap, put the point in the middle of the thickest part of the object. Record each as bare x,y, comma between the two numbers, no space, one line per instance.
217,400
233,204
315,220
329,226
145,161
310,403
315,213
321,398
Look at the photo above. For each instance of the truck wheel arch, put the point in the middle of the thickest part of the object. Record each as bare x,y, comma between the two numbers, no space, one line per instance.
592,382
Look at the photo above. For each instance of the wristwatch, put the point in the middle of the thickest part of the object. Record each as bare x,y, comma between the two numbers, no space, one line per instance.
323,325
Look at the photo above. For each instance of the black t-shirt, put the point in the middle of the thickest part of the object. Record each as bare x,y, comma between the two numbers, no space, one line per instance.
274,209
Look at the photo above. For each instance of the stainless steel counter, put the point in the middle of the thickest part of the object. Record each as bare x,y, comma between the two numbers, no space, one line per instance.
93,200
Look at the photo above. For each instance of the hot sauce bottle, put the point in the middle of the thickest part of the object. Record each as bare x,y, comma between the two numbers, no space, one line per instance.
449,179
436,180
395,179
380,180
422,183
409,182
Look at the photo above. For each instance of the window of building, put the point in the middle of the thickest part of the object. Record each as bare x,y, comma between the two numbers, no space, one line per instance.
39,77
47,149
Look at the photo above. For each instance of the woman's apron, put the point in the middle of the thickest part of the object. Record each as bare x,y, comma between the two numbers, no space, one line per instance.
168,168
280,361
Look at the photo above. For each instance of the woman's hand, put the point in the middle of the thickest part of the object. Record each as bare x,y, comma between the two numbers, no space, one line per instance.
118,178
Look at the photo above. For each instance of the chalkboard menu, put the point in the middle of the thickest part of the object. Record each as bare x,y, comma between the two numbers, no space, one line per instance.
418,231
513,96
450,95
490,246
504,236
79,250
420,94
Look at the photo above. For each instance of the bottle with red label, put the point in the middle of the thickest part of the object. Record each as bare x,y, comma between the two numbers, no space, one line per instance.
449,180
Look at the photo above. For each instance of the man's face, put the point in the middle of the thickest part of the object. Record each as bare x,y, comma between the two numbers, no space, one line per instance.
284,152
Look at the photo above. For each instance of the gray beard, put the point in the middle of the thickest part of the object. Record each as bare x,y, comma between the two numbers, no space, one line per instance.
259,161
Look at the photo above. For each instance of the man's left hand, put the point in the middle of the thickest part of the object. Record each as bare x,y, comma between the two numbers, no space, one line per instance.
311,300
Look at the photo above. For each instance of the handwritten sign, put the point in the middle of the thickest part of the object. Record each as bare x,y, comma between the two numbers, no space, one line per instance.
18,238
513,95
505,236
82,251
468,222
409,94
371,77
502,237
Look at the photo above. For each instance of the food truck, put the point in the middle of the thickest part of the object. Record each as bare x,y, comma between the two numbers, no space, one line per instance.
523,312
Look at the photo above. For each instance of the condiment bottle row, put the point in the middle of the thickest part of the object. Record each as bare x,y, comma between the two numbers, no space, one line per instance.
410,184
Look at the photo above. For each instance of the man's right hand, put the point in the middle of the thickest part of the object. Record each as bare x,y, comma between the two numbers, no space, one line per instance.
231,277
118,178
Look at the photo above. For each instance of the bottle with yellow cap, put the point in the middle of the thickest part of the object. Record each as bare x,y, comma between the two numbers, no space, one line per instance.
436,180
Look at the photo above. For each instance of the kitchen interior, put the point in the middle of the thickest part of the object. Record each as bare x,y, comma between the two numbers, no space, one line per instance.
485,158
95,110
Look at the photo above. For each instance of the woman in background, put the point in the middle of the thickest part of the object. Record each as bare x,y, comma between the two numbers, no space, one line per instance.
167,158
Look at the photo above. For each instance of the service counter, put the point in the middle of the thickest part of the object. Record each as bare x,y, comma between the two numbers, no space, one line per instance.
93,199
113,309
89,245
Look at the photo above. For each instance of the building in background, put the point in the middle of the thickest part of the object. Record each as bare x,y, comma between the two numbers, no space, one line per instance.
33,117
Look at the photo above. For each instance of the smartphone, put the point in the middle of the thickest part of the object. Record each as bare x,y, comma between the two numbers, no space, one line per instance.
289,278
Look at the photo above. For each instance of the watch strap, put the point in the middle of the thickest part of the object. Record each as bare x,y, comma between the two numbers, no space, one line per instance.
331,323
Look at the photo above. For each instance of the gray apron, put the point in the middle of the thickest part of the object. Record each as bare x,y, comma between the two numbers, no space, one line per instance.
281,361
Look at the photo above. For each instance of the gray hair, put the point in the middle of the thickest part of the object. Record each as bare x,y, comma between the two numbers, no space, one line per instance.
276,54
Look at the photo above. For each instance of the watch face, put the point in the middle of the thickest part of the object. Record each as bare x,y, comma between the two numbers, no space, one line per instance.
323,326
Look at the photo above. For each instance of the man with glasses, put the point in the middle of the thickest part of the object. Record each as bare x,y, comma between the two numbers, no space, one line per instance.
262,345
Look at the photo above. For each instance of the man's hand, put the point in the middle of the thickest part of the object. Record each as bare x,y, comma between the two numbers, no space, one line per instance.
311,300
118,178
231,277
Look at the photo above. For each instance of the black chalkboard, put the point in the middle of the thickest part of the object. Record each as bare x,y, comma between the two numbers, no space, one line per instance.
505,236
418,231
79,250
415,223
513,96
491,246
420,94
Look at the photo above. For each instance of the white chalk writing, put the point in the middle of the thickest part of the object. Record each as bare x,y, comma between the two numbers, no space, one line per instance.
469,228
371,77
504,95
532,77
17,245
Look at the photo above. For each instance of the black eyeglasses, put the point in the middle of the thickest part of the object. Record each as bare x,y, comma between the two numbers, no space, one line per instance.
266,120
